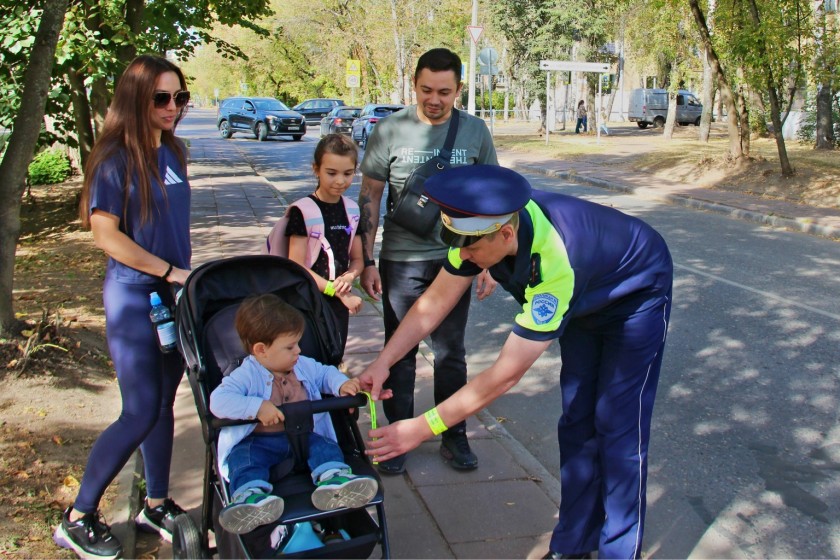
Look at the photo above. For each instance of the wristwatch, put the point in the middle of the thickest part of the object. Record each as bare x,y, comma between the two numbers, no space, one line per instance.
369,262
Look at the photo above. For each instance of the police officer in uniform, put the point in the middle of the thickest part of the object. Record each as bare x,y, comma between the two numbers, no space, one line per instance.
599,282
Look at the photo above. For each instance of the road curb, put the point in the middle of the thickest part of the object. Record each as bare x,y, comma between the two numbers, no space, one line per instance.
796,224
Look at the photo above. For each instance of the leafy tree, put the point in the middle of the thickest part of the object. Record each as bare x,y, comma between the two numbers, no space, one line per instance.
21,145
739,134
826,69
668,25
537,30
767,39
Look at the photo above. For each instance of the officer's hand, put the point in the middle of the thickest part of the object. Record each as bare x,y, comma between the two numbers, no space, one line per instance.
485,285
373,378
371,282
398,438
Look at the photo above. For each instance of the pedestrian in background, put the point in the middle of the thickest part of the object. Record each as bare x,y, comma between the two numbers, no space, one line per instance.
596,280
581,117
136,201
408,263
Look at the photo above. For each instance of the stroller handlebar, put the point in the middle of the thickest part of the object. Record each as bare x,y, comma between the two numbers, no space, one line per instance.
322,405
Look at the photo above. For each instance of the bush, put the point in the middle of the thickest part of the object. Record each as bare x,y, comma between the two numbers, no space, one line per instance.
49,167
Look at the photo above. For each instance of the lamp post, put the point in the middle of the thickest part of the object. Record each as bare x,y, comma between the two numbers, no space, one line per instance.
471,91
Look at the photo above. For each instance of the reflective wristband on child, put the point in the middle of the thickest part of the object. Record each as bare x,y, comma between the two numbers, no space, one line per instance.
435,422
329,289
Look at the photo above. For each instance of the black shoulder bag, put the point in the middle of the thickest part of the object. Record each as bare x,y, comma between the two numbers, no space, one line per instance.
413,210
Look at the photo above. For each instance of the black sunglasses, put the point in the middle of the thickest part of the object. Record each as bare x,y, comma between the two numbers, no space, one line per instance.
162,98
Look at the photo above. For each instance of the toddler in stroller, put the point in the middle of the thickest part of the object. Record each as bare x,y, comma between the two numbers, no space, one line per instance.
274,373
212,349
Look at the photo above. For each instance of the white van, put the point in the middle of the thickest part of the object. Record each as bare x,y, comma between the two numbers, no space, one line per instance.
650,106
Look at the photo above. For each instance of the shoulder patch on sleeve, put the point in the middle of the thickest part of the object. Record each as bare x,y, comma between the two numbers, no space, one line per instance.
543,308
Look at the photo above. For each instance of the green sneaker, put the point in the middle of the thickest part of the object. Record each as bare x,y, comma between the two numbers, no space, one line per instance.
250,510
344,490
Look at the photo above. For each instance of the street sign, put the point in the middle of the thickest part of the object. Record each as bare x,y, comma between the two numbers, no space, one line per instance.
488,70
475,32
353,80
574,66
488,55
354,67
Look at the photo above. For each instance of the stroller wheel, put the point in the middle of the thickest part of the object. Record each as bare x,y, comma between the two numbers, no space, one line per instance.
186,542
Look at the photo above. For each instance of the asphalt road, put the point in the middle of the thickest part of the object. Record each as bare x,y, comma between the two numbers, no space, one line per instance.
746,444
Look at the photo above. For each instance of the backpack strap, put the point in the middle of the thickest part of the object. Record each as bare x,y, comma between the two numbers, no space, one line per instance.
317,238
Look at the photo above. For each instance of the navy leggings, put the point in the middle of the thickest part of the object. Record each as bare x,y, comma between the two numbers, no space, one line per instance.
148,380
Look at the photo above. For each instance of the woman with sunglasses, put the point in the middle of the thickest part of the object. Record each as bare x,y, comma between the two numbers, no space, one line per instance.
136,201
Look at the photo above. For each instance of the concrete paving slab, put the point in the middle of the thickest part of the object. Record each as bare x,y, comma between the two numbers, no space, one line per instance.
524,547
494,464
489,511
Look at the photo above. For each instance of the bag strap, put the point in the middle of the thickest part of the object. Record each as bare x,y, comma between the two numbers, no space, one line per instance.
317,238
449,143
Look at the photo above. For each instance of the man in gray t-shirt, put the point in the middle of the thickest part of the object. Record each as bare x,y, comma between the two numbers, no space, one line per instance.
407,263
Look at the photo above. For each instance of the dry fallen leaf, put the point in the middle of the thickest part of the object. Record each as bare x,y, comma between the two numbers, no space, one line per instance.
70,481
58,440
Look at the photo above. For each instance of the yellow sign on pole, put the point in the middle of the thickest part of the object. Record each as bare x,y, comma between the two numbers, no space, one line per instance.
354,73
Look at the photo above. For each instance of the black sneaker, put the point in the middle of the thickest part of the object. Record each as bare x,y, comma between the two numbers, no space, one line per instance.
88,537
393,466
456,449
160,519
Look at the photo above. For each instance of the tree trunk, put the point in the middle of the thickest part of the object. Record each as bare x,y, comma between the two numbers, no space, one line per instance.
81,113
707,98
825,126
616,85
134,10
825,139
776,117
21,147
671,116
100,98
726,94
743,115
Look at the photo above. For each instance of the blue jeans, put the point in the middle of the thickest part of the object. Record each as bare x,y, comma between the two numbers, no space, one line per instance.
250,461
581,122
402,284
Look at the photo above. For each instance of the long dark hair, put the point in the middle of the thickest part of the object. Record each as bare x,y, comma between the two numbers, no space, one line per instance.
127,129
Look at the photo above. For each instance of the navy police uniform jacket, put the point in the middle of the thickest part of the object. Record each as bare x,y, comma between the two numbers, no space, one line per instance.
576,258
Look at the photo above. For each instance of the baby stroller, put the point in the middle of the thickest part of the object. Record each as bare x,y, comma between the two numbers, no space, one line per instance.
211,348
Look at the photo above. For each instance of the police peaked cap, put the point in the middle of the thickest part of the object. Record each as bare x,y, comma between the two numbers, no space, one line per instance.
476,200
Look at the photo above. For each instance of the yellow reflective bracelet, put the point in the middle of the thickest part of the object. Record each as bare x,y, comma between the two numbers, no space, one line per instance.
372,407
435,422
329,289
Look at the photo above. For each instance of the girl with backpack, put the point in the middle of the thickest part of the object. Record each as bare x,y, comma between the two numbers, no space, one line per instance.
319,231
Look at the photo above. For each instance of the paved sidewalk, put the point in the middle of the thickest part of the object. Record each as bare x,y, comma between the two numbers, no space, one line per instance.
508,506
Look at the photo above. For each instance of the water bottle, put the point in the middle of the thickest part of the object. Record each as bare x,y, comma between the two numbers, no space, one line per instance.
164,325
